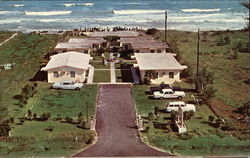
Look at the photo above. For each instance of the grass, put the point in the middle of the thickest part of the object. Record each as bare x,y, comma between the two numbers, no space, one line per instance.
230,74
101,76
99,65
204,138
118,75
28,52
31,138
5,35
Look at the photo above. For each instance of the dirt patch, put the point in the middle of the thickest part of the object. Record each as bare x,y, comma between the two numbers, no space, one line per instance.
230,113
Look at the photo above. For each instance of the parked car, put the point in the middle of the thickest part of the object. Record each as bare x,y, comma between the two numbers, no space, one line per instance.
174,106
165,86
168,94
67,85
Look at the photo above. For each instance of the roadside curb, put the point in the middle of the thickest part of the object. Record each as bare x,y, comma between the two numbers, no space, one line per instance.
136,113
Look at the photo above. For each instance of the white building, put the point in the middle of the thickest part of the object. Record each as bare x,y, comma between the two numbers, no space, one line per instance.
65,47
166,66
68,66
93,42
154,47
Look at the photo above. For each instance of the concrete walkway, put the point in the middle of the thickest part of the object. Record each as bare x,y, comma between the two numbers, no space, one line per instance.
115,125
112,72
91,75
8,39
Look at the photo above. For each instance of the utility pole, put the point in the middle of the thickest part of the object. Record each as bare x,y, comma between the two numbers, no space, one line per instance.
198,52
166,18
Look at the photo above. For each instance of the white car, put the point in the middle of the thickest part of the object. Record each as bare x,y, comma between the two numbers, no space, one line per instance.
174,106
169,93
67,85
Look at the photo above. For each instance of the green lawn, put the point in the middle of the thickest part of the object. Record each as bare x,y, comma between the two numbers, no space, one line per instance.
101,76
28,52
230,74
99,65
32,137
5,35
203,139
118,75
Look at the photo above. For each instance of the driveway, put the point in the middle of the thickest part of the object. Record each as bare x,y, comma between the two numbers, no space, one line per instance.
116,129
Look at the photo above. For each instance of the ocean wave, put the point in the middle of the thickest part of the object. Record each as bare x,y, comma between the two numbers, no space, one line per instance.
9,21
197,16
9,12
200,10
75,4
18,5
210,21
135,3
122,12
48,13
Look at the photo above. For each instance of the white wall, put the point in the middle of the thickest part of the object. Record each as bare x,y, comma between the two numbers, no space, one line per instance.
64,75
163,78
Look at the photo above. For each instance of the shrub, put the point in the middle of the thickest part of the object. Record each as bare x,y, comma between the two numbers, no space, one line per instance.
156,110
185,136
150,116
34,116
245,108
173,115
188,115
151,31
227,39
220,41
218,122
69,119
228,127
4,129
211,118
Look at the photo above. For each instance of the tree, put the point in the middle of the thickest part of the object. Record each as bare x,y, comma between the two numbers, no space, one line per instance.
205,78
247,6
209,92
150,74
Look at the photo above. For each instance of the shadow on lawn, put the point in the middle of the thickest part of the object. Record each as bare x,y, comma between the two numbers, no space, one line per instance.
40,76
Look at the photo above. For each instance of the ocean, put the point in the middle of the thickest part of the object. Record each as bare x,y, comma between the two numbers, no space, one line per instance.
186,15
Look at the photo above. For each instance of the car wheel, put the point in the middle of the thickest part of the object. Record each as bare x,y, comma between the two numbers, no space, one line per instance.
180,97
77,88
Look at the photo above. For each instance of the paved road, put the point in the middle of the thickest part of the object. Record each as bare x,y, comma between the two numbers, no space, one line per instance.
117,135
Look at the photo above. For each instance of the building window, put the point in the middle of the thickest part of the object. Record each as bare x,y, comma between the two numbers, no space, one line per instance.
152,51
72,74
86,51
162,74
158,51
56,74
137,51
171,74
